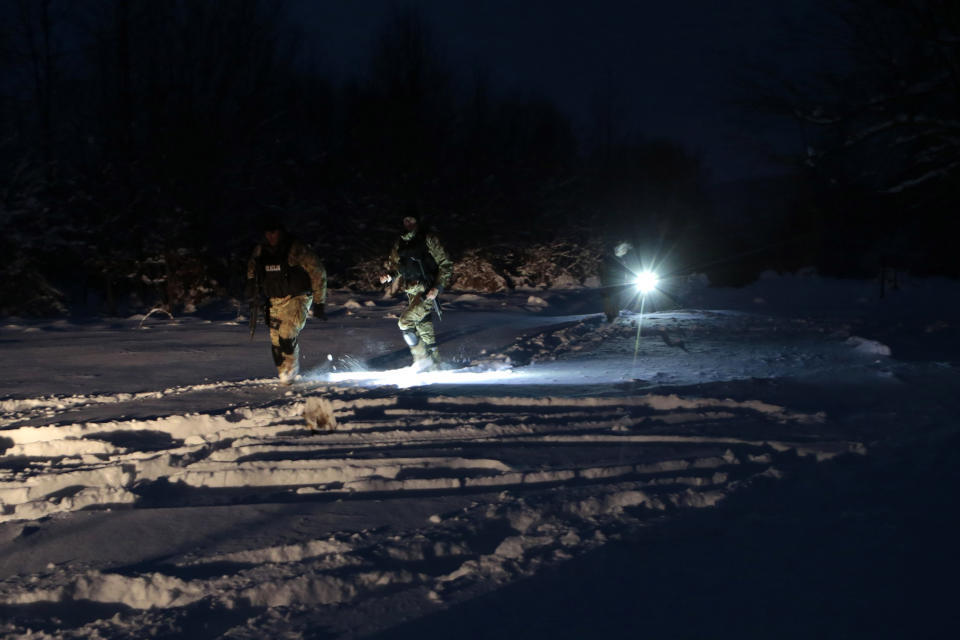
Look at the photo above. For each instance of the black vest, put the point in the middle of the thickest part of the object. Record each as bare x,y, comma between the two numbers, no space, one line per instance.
277,277
416,263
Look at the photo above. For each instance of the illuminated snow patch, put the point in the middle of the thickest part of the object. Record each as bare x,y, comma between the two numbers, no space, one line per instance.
410,377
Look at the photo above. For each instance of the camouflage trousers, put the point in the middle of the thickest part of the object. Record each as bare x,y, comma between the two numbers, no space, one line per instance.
288,315
416,323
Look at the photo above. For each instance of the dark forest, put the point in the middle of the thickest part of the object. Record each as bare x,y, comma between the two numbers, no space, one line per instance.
141,141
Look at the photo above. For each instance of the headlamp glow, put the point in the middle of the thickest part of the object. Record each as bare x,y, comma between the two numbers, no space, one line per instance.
646,281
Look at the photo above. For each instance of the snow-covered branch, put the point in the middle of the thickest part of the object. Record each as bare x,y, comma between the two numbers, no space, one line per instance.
939,172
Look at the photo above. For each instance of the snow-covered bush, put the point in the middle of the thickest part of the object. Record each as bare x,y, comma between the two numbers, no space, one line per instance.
25,291
498,268
34,242
557,264
175,281
364,275
473,272
189,282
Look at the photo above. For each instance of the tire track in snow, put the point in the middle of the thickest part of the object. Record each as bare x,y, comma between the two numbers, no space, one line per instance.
68,467
17,410
621,461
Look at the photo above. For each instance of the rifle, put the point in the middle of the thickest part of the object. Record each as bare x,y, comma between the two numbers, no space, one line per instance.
259,304
256,302
436,307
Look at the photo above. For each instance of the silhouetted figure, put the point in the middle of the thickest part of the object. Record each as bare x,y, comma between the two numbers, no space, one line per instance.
617,279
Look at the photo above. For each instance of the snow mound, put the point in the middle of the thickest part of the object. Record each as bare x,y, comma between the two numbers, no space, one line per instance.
319,414
870,347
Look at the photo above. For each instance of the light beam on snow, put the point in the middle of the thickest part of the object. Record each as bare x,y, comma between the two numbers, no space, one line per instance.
646,282
636,345
409,377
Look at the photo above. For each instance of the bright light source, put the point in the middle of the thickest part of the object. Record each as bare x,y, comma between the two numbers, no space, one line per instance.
646,281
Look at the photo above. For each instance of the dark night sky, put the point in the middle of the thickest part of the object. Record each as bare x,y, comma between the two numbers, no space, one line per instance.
672,66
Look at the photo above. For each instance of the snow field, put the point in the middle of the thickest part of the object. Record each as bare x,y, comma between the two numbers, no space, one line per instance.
616,472
346,506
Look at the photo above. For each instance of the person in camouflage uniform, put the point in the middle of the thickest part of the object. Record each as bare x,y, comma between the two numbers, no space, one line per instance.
424,268
290,275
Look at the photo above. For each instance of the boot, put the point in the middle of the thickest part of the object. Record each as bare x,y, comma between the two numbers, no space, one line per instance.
433,355
420,358
288,369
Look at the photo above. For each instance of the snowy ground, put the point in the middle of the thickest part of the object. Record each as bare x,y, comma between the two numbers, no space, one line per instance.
773,461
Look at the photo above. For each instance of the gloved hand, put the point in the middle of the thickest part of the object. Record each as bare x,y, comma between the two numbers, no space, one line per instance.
319,311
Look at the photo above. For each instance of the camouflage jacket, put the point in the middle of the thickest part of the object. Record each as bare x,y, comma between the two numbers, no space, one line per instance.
300,273
436,262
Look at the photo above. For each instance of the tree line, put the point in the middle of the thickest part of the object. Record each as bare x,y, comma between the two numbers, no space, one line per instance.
140,141
141,134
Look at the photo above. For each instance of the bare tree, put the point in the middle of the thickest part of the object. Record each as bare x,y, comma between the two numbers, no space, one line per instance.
888,115
882,125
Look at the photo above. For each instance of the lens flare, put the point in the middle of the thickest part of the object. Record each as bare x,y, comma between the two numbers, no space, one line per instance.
646,281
